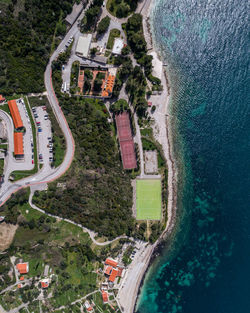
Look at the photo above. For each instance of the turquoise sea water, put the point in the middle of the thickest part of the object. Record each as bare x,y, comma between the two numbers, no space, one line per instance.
207,268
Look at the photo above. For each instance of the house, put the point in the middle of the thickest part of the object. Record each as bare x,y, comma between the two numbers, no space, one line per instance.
149,103
118,45
22,278
18,123
105,296
113,275
44,283
2,218
2,99
111,262
23,268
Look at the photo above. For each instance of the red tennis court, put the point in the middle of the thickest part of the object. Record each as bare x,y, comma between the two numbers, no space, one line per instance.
128,154
126,140
123,126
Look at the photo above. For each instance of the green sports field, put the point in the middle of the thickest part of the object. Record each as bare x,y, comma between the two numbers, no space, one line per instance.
148,199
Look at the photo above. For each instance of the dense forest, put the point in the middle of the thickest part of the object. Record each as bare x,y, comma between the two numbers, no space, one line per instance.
28,30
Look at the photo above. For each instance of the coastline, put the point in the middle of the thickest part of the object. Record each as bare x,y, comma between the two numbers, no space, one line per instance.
130,290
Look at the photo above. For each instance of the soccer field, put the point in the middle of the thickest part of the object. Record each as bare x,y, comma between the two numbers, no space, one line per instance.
148,199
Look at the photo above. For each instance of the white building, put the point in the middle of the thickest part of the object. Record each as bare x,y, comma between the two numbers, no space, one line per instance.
83,45
118,45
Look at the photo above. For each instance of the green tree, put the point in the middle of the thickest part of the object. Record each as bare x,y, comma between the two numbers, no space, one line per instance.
103,25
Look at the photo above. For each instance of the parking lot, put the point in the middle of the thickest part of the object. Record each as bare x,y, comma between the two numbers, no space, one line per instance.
44,136
27,136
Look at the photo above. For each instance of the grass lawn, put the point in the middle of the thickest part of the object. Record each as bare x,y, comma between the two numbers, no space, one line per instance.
1,166
148,199
112,35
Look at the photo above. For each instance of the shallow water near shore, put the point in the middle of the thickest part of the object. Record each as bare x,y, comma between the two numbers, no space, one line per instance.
206,269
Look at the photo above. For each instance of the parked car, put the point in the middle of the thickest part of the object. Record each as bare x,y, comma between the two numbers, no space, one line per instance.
40,130
38,123
40,156
32,161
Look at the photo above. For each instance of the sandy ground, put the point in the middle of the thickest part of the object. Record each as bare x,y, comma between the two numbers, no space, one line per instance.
7,233
130,287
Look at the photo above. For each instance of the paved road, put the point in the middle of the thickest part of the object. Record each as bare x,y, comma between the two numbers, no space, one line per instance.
45,175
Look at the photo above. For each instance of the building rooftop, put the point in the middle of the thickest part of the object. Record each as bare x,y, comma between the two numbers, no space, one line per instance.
18,123
113,275
76,10
23,268
111,262
118,45
105,296
45,283
83,45
108,270
18,144
1,98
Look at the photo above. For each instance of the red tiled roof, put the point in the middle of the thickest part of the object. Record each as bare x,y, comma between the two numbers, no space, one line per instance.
21,278
18,123
113,275
111,262
22,268
44,284
18,144
2,98
105,297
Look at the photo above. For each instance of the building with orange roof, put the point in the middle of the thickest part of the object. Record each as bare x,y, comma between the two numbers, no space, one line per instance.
113,275
45,283
108,270
18,145
23,268
21,278
19,286
2,99
105,297
111,262
18,123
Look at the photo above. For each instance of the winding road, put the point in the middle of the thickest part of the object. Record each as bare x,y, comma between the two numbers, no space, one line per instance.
44,176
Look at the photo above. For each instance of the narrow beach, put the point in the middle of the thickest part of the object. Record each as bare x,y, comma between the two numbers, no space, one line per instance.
130,289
